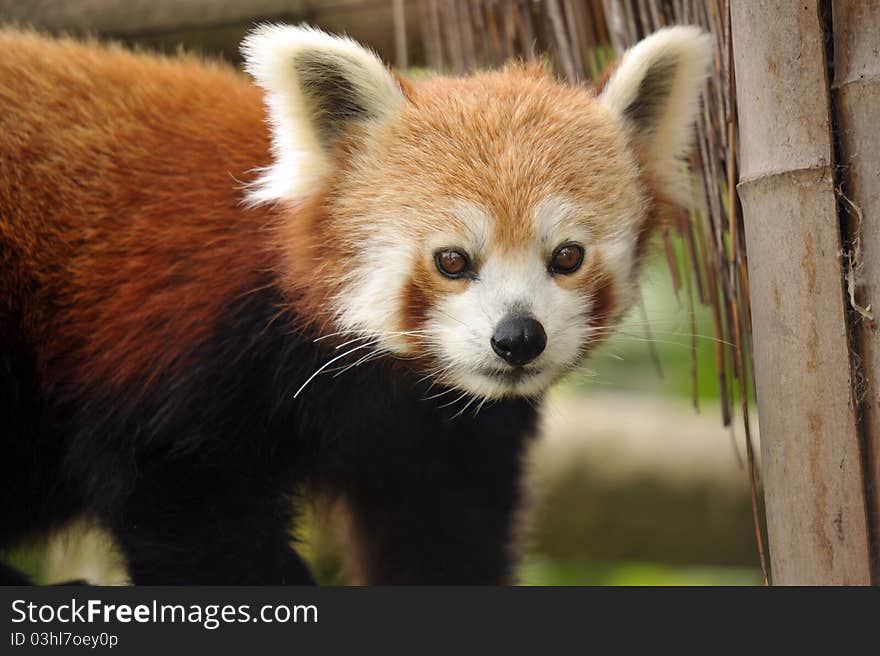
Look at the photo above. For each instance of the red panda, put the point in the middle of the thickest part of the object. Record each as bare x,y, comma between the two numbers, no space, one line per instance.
216,294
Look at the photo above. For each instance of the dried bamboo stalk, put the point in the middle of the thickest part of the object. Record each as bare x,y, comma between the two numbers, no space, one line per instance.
816,512
399,16
856,87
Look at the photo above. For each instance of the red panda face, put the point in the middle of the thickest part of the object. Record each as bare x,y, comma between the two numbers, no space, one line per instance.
496,220
487,228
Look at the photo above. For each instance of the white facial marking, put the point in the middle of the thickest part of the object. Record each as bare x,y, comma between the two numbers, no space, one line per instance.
556,216
370,304
461,324
370,301
464,323
515,284
478,229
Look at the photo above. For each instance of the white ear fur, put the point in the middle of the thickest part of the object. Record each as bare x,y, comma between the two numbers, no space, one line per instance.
315,83
655,91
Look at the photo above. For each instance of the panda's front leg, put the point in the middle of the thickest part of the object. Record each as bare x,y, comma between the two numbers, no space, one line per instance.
183,527
438,507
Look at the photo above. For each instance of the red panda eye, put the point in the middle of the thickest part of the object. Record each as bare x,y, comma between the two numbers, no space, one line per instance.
567,258
452,263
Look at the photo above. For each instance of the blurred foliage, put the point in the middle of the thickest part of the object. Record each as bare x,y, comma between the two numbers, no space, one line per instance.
544,571
28,558
587,517
685,348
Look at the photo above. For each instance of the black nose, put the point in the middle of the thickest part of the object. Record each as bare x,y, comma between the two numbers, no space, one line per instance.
519,339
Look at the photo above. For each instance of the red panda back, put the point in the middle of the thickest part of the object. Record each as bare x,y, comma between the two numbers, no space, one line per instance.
121,226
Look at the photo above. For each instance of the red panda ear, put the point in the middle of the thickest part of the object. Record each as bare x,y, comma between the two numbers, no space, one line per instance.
317,86
655,91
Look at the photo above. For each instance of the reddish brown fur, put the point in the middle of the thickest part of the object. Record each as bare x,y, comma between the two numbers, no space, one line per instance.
659,206
505,141
605,78
418,297
99,150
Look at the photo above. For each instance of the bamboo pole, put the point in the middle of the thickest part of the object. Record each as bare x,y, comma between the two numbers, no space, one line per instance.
400,49
856,87
816,513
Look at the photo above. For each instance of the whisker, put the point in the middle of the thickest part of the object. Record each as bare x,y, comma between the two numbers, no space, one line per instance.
430,374
466,406
329,362
439,394
364,359
636,338
456,400
480,407
390,333
710,338
352,341
338,332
